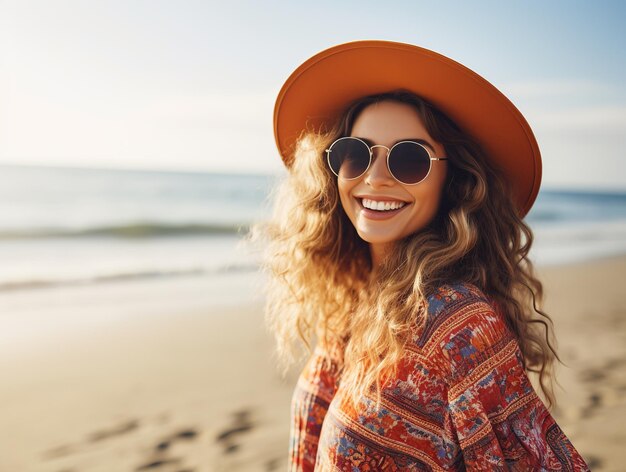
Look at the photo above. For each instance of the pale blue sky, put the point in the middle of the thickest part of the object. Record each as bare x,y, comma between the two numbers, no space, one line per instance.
190,85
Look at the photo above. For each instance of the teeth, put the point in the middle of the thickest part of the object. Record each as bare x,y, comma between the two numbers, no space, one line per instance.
382,206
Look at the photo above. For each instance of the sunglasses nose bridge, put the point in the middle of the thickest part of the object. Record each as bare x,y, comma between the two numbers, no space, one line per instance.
379,145
384,154
375,169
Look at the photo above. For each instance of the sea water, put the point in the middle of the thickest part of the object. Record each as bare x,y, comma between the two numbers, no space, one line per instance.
61,226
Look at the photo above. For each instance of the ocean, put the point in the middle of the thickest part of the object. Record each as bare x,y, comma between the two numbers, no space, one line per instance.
65,226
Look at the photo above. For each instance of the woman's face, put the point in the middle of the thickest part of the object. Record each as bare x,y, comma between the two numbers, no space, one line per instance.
386,123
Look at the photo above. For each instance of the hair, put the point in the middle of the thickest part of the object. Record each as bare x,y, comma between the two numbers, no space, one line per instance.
319,268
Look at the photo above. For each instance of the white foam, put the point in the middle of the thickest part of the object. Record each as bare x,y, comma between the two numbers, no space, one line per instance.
574,242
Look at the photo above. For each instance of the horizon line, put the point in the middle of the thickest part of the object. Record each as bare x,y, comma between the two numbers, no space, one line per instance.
259,173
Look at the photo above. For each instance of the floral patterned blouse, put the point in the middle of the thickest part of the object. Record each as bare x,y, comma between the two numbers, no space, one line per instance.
461,401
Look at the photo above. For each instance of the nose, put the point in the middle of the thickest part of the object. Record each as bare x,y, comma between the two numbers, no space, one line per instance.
378,173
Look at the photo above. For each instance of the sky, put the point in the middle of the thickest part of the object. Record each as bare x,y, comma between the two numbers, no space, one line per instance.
190,85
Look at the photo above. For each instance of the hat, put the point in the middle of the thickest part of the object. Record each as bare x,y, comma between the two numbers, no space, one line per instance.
318,91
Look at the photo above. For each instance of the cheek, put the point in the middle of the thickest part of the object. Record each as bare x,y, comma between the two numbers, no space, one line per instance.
344,193
438,191
429,197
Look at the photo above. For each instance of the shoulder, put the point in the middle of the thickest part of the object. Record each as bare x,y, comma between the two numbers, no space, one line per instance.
452,305
463,328
453,296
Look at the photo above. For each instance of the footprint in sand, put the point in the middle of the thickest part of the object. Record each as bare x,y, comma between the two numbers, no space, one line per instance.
604,382
240,424
595,402
272,465
594,462
161,448
184,435
159,463
602,372
122,428
593,375
65,450
60,451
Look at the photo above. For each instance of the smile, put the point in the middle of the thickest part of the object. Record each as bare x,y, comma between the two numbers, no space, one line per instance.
381,206
387,209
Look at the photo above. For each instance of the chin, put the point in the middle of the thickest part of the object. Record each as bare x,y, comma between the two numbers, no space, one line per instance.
368,238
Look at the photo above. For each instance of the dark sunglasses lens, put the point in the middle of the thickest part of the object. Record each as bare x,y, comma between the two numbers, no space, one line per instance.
409,162
349,158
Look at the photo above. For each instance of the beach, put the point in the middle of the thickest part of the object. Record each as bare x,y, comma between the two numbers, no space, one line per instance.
178,375
586,302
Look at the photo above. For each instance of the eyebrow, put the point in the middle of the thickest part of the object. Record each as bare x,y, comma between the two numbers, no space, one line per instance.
417,140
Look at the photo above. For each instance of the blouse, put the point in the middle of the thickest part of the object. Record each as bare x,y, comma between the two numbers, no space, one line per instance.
461,401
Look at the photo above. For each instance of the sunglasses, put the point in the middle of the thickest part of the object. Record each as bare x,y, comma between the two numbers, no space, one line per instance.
408,162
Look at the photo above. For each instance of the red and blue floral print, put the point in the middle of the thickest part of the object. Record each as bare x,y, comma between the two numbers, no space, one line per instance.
461,401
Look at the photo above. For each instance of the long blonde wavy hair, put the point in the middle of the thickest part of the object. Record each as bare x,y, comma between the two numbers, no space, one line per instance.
319,269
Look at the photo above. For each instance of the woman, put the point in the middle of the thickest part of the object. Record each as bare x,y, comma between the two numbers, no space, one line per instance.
398,242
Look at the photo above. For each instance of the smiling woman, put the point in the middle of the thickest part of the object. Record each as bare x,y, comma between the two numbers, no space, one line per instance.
386,122
398,241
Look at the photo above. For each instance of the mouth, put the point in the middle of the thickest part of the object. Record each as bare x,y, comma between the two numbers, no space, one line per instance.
392,209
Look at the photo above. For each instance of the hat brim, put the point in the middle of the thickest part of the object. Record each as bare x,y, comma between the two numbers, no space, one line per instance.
319,90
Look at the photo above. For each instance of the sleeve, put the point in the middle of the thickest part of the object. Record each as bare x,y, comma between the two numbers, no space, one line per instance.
500,421
312,395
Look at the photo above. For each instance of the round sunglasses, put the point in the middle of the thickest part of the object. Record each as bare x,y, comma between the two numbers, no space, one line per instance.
409,162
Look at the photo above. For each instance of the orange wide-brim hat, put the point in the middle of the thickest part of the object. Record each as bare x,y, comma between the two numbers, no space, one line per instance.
319,90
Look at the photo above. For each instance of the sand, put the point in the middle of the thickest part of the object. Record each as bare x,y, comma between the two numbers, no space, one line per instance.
178,375
588,306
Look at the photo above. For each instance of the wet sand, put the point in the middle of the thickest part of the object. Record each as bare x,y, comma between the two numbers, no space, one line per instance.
179,375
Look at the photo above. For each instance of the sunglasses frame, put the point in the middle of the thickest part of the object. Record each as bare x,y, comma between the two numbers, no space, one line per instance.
371,154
